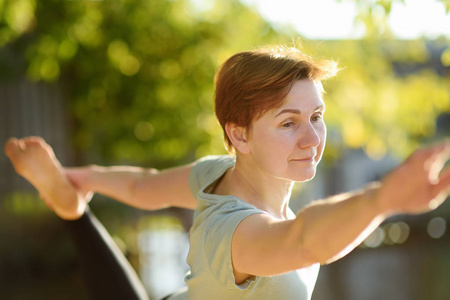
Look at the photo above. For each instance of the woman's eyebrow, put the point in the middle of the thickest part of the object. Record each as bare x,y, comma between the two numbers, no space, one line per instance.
320,107
289,110
298,112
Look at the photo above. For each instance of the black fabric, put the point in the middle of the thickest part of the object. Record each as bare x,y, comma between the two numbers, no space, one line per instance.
107,273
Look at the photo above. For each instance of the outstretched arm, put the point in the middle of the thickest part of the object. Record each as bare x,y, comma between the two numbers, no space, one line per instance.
142,188
329,229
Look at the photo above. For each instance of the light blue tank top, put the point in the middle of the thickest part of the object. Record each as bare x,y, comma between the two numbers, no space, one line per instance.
215,219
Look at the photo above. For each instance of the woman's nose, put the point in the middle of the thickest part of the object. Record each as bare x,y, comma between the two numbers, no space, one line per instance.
308,137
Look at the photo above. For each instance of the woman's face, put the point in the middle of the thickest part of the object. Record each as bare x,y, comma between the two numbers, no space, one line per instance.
288,141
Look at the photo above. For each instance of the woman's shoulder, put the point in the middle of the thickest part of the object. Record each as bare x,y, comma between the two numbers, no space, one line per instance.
207,170
214,161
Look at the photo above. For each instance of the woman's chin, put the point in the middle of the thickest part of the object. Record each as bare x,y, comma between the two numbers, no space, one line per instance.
304,176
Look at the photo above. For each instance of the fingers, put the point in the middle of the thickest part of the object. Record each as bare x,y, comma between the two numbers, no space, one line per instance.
429,164
432,151
439,176
442,186
431,160
437,161
439,147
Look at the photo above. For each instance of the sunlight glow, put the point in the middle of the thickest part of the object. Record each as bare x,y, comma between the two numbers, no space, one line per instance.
330,19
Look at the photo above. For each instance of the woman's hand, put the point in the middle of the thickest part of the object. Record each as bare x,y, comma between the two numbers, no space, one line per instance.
418,185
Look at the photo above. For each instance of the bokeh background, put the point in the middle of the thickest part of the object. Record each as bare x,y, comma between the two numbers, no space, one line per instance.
131,82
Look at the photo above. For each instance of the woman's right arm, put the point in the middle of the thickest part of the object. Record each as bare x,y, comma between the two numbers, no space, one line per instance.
142,188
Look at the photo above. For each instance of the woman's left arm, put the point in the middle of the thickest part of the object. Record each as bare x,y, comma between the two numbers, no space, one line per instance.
328,229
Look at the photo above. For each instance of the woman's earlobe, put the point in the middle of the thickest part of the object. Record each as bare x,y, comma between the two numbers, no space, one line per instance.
238,137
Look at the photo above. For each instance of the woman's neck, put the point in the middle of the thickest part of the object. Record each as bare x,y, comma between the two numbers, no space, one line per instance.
257,188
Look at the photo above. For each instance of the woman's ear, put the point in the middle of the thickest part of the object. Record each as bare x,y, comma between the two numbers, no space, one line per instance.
238,137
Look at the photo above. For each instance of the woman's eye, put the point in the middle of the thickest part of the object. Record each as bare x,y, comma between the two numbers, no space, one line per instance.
288,124
316,118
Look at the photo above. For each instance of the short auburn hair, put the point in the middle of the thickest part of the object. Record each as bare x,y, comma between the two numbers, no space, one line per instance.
250,83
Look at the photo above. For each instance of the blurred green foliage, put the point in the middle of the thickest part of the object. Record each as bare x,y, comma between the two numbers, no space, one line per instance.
138,79
139,74
376,108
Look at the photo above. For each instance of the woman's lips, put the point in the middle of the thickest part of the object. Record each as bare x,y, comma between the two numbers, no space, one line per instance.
305,160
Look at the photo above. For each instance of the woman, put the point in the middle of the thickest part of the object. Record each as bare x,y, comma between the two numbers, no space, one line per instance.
245,242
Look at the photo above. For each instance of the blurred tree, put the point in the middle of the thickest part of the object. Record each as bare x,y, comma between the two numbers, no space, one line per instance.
379,108
374,105
139,74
